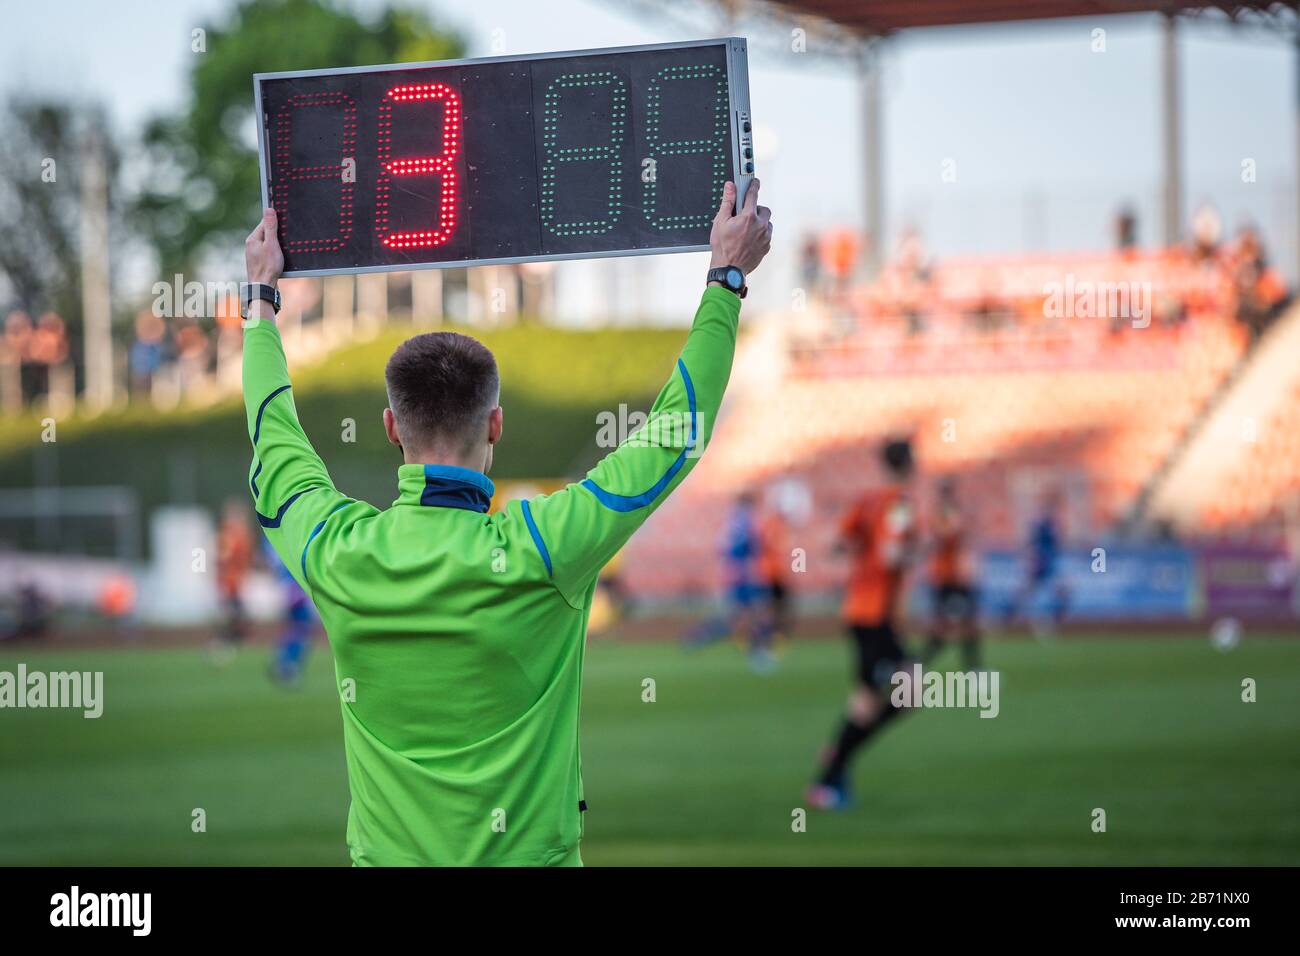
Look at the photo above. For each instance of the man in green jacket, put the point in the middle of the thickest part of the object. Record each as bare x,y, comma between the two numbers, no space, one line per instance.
458,635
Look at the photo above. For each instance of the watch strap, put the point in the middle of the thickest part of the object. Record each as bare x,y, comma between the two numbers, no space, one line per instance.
260,290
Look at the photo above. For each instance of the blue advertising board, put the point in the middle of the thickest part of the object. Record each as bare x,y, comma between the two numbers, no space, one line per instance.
1117,582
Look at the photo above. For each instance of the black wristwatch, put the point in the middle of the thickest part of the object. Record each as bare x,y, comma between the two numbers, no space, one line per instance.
731,277
258,290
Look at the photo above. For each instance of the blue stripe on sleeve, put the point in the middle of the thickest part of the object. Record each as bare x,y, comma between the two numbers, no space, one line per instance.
266,522
257,426
315,531
616,502
537,536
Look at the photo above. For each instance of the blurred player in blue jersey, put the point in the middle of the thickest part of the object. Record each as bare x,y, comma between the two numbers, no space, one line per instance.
1044,573
745,593
290,655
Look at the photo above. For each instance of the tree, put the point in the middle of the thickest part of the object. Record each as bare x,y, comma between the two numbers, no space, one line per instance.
41,147
202,190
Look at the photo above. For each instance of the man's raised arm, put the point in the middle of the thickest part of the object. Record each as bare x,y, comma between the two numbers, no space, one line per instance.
292,491
578,529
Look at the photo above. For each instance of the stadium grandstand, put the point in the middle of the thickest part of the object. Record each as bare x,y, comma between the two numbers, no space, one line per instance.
1153,387
1004,398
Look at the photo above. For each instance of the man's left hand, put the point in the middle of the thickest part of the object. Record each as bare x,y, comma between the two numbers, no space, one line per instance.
262,254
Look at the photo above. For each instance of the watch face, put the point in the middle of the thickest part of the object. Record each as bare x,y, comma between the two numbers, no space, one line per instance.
735,278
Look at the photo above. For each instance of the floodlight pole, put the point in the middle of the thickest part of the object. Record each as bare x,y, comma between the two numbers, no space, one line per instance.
96,304
1173,197
869,63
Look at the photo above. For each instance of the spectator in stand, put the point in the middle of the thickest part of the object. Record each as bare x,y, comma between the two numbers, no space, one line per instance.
13,352
810,266
48,350
1206,287
1207,230
19,332
193,353
1126,225
914,279
912,264
1248,249
228,336
839,251
147,352
1260,290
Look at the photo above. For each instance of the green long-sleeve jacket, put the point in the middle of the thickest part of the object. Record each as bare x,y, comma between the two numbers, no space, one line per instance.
458,635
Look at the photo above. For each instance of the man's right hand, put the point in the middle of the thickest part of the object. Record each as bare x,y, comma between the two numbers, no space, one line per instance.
743,237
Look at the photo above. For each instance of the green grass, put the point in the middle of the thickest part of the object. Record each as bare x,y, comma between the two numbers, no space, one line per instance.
1151,730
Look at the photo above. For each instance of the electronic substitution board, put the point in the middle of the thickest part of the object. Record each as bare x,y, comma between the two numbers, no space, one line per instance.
609,152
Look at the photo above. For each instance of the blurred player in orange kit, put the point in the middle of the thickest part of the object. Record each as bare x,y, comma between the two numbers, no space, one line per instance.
774,568
234,558
880,532
839,249
951,581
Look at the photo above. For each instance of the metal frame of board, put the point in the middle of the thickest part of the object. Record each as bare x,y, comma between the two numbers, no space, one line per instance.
737,91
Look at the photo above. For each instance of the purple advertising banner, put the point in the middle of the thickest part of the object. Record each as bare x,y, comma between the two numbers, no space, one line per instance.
1247,581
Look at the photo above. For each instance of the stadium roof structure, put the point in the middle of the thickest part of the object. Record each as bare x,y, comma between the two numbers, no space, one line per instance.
881,17
863,27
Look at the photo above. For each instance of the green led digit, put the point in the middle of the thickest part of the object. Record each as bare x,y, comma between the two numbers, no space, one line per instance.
609,153
715,144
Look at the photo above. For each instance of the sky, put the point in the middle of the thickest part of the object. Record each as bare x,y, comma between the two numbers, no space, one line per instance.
1047,137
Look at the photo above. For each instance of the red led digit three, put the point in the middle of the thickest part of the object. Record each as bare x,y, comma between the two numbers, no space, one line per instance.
443,165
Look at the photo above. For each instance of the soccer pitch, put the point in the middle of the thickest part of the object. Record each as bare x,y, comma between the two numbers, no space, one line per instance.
1152,730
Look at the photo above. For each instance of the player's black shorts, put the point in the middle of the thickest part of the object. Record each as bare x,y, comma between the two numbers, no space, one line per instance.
879,653
954,601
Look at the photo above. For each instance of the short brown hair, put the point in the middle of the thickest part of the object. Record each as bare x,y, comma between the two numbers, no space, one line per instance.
441,387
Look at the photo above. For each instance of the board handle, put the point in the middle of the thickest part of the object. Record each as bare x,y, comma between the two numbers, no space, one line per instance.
742,123
744,155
